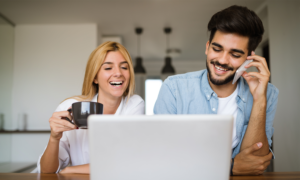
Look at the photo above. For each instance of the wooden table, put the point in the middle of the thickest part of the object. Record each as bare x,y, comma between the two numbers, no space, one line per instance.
23,176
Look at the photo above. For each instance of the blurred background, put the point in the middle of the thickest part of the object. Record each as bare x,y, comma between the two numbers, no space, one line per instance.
44,47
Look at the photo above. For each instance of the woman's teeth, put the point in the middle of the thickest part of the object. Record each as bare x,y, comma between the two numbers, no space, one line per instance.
116,83
221,69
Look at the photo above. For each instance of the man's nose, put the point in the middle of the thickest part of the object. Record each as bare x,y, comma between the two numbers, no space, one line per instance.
224,59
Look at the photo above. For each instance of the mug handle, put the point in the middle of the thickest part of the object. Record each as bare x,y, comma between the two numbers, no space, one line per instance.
66,118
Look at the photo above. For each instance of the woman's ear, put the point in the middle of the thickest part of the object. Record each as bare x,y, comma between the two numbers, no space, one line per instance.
95,81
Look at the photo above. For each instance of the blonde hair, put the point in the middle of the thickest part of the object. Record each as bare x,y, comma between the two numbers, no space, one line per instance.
96,59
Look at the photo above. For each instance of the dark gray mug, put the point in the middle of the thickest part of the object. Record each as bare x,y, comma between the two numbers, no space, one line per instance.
81,110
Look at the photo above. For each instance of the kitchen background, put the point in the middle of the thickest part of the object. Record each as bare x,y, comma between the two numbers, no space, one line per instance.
44,47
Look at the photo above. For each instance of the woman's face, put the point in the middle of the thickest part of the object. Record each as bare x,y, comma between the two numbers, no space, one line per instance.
114,76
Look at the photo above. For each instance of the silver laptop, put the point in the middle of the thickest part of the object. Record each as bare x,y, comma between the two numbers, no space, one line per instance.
160,147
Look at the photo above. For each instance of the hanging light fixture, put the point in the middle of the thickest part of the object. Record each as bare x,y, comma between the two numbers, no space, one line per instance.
138,65
168,69
139,70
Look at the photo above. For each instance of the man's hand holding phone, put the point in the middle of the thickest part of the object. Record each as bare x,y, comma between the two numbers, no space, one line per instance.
257,81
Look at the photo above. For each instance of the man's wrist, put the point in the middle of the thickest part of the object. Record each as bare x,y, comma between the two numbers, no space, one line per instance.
261,102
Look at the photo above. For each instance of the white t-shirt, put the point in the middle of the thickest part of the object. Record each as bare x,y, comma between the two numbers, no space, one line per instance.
229,106
74,146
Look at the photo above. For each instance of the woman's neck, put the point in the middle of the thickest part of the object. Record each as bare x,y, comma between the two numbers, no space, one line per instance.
110,105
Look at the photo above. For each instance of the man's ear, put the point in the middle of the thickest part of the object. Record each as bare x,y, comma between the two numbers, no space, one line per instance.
207,46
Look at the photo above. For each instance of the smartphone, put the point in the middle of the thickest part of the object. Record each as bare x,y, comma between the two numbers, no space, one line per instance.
241,70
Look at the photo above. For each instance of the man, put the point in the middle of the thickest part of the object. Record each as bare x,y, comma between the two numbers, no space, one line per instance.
235,33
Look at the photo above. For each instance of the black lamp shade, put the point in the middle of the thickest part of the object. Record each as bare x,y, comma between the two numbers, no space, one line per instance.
168,68
138,68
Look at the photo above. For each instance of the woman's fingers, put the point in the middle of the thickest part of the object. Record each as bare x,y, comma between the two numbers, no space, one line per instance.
61,114
62,122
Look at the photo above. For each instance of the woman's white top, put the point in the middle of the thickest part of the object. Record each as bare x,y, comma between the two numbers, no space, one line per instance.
74,145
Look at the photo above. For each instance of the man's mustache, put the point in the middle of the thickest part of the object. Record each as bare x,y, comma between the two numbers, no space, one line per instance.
224,66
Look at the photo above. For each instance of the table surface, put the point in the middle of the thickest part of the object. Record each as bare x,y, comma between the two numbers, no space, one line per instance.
32,176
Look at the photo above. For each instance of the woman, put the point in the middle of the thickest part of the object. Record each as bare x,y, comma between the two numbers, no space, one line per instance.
109,79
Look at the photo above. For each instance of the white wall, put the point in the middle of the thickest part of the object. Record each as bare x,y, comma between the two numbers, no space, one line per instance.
154,67
6,71
6,78
28,147
49,66
284,26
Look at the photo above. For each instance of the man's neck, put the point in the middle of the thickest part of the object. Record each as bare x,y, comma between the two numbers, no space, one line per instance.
224,90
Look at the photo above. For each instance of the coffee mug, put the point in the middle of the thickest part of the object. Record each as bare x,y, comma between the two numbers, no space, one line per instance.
81,110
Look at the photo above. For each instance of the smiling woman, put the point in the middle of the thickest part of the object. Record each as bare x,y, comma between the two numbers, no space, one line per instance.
109,79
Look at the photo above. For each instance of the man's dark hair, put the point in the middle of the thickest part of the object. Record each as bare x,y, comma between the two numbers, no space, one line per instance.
240,20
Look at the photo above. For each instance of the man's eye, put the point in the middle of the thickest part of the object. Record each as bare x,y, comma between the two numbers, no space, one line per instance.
217,50
236,56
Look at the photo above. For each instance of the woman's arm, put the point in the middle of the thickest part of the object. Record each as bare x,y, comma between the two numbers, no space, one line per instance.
49,161
80,169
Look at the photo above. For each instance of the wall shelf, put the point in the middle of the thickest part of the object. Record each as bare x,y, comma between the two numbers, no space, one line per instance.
25,132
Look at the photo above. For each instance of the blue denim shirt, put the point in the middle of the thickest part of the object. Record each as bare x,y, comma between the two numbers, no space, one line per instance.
191,93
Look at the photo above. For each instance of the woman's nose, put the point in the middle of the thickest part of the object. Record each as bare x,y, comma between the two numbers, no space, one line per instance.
117,72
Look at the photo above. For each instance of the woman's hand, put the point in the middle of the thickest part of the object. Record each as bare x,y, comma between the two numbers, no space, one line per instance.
58,125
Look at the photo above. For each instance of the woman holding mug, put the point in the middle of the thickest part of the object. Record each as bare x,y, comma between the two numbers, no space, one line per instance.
109,80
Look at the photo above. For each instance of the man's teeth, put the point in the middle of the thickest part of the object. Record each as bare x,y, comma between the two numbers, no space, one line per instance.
116,83
221,69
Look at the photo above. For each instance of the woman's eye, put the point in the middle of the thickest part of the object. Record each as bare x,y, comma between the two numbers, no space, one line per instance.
124,68
107,68
217,50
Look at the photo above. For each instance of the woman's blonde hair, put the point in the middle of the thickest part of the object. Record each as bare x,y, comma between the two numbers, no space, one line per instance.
96,59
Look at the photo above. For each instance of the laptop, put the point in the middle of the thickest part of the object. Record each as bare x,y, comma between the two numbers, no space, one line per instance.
160,147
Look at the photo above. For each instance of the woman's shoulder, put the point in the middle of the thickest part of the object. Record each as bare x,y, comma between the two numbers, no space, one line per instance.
134,105
65,105
135,99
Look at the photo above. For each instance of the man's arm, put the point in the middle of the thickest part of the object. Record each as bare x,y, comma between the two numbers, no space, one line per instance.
258,83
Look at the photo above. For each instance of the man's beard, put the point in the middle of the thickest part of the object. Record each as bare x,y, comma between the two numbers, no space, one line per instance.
216,81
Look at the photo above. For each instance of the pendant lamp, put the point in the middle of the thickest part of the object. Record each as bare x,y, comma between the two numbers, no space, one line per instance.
138,68
167,69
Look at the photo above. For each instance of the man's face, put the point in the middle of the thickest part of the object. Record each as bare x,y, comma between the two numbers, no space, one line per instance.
225,54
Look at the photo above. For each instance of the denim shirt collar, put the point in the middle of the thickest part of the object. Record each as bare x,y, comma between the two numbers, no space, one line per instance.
209,92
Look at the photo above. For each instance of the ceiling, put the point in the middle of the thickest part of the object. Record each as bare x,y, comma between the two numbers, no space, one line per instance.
188,19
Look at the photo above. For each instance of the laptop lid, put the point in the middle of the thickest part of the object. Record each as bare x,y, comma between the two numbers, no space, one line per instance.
160,147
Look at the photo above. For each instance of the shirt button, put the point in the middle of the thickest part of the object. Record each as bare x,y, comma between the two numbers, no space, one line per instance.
243,99
207,96
213,109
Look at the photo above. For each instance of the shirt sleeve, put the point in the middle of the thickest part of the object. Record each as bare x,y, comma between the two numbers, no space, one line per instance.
270,114
166,101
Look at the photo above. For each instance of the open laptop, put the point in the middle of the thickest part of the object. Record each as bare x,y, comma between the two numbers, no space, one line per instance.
160,147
